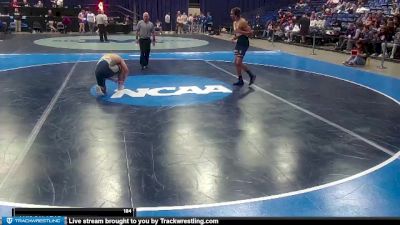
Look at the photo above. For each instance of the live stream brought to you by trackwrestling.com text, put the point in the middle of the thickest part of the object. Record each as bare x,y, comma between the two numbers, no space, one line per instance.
104,221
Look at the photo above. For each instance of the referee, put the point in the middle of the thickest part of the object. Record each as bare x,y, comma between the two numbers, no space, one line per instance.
145,29
102,21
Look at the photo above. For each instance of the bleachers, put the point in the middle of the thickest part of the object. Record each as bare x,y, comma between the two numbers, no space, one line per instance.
336,20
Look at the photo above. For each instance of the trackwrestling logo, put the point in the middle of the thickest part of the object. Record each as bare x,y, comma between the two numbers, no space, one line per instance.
166,90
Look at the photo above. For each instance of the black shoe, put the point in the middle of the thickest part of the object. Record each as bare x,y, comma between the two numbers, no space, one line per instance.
239,83
142,67
252,79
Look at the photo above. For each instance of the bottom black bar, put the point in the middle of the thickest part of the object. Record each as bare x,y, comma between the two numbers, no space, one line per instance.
214,221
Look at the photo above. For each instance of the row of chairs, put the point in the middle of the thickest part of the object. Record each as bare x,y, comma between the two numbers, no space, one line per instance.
36,27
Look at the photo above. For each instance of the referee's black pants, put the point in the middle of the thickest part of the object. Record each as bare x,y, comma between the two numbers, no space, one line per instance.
144,44
102,32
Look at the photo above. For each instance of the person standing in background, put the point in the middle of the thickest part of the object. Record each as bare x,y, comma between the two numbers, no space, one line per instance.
167,20
17,19
81,17
179,23
91,19
145,30
102,21
184,21
190,23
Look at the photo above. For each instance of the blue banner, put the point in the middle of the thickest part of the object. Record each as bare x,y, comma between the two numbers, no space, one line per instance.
25,220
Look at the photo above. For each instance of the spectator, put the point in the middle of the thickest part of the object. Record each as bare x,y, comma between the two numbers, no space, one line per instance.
179,23
158,27
66,21
39,4
300,4
82,19
357,35
15,4
25,3
184,18
17,20
394,45
313,16
379,38
91,19
209,22
269,29
294,31
60,3
190,23
366,38
304,24
202,23
394,10
358,56
50,21
167,23
396,21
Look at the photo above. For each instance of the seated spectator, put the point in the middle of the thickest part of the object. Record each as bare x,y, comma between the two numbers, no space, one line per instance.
358,56
313,16
379,38
350,32
15,4
351,8
341,7
158,27
394,10
320,22
288,31
361,9
328,12
394,45
294,31
396,21
50,21
268,31
331,3
39,4
367,37
25,3
300,4
353,39
60,3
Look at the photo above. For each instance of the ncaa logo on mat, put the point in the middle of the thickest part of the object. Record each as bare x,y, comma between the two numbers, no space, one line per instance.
166,90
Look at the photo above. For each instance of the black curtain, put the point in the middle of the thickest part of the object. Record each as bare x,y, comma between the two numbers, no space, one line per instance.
220,9
158,8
